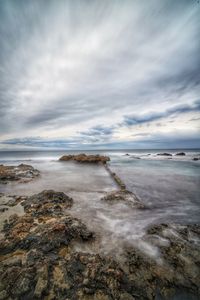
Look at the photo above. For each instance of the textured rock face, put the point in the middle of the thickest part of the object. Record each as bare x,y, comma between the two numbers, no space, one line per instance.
83,158
123,196
176,267
22,173
38,259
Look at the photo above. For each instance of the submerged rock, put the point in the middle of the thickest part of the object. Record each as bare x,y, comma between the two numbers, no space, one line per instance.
181,153
123,196
22,173
164,154
83,158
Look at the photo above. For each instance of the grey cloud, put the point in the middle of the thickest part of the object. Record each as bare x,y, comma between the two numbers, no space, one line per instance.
68,62
135,120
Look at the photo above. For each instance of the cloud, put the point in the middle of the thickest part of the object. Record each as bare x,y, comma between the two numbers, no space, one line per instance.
135,119
77,71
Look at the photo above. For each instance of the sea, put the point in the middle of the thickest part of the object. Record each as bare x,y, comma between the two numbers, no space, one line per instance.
168,186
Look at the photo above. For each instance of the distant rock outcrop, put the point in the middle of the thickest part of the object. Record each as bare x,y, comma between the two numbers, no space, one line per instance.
83,158
180,153
164,154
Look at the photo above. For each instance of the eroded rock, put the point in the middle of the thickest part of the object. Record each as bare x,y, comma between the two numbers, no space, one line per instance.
83,158
22,173
173,268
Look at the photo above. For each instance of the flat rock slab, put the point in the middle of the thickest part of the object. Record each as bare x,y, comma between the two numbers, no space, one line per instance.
22,173
83,158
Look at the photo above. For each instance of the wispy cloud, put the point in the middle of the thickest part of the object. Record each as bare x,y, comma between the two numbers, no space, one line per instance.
79,71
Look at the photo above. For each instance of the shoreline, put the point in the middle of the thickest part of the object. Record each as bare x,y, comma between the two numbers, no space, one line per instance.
47,212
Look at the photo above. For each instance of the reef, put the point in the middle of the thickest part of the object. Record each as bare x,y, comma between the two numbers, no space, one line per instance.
83,158
170,266
21,173
38,259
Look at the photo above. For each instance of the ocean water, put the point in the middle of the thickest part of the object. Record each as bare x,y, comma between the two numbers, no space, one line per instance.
169,189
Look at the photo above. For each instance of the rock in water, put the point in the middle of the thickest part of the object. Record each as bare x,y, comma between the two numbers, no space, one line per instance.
180,153
83,158
123,196
164,154
22,173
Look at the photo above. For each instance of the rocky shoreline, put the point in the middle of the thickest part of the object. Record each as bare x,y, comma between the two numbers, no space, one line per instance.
38,259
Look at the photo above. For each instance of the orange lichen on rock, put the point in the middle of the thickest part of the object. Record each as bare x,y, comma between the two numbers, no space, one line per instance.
83,158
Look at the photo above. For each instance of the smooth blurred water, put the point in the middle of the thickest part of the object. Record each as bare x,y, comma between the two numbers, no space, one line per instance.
169,188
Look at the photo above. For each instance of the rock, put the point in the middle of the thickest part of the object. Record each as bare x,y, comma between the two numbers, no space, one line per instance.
181,153
126,154
42,282
195,158
22,173
123,196
38,259
164,154
3,209
174,264
47,202
83,158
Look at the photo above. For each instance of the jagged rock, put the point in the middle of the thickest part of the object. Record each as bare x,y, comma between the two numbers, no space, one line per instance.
83,158
125,197
164,154
22,173
38,259
175,265
181,153
47,202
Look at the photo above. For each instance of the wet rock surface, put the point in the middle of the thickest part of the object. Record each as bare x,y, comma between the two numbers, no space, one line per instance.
83,158
171,266
38,259
123,196
22,173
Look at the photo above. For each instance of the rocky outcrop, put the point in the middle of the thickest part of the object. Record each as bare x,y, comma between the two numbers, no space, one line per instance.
83,158
22,173
170,265
38,259
180,153
123,196
164,154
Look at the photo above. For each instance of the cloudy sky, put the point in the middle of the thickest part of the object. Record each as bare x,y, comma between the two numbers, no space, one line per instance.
99,74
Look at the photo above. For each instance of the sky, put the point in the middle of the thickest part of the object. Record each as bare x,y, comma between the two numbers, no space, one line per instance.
99,74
